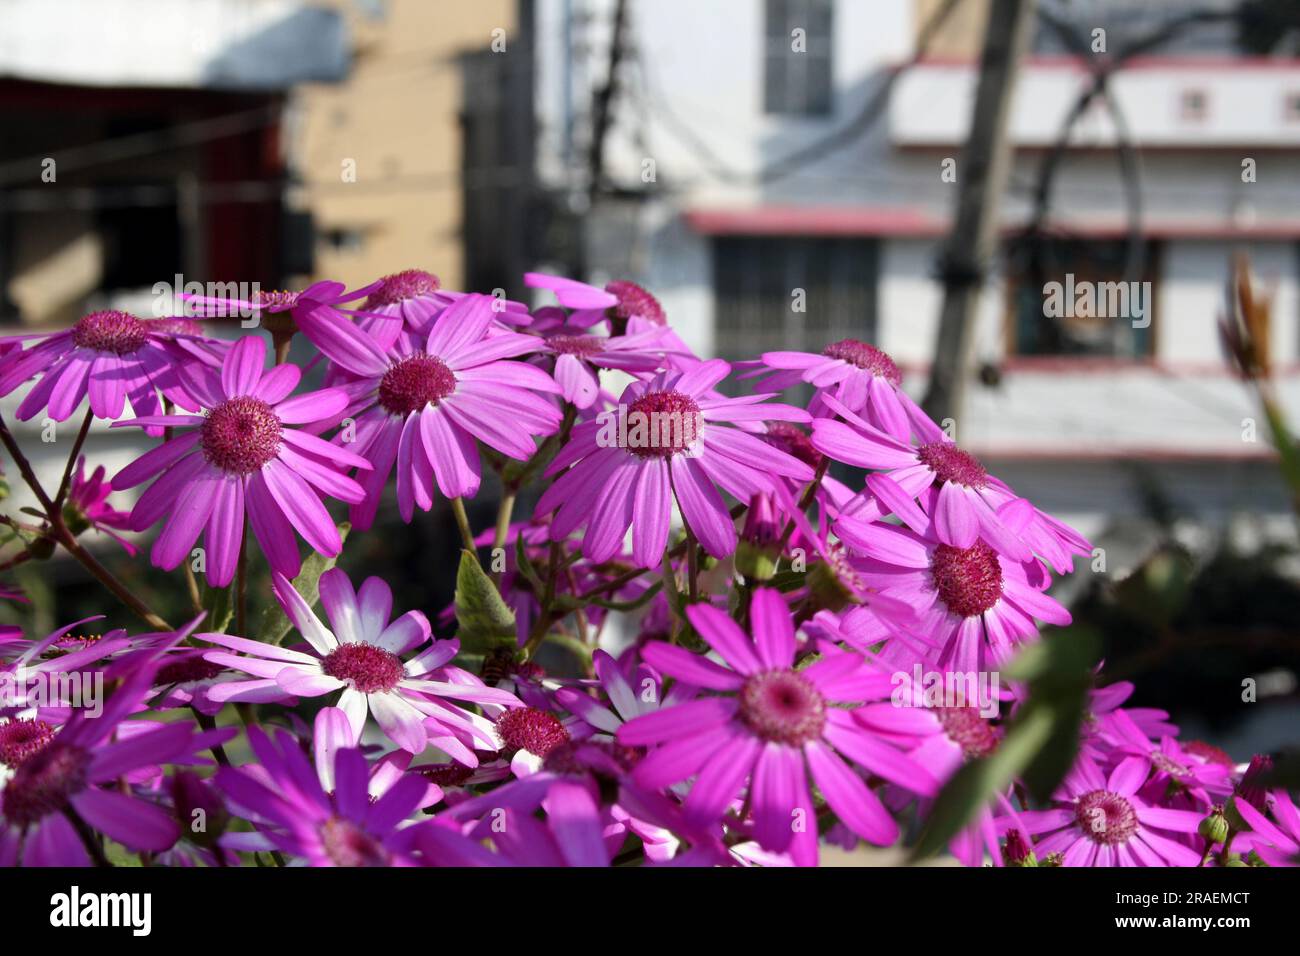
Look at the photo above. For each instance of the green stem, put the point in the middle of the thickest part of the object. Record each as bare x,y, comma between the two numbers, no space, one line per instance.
462,522
72,460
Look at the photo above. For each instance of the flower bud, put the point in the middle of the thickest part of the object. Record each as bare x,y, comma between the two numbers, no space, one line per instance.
1251,789
759,550
1214,828
1017,852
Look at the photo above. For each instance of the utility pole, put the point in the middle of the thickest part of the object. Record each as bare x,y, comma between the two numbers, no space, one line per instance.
985,166
604,100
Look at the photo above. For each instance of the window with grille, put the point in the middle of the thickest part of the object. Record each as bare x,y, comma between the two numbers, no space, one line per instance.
1076,297
761,283
797,76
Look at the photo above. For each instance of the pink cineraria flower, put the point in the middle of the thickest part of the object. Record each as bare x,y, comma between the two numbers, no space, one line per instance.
1276,840
424,407
362,656
573,294
344,827
243,456
631,689
973,604
862,377
571,835
12,592
80,771
667,441
578,356
1100,821
87,506
326,294
958,494
941,737
410,301
772,726
109,355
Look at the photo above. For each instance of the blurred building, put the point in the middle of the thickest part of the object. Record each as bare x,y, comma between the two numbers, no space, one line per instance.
743,163
144,139
379,154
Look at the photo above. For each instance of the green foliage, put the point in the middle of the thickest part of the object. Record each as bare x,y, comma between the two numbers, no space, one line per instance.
485,620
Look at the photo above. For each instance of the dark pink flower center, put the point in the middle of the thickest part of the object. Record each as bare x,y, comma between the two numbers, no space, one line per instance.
367,668
578,757
241,435
22,739
414,383
44,783
635,301
968,730
536,731
187,671
583,346
792,440
969,580
1209,752
866,357
782,706
277,300
110,331
662,424
346,844
401,286
1106,817
950,463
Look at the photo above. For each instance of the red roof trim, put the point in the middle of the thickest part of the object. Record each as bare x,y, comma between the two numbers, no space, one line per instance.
901,222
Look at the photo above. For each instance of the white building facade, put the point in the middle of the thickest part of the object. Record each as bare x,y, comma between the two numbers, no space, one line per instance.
714,97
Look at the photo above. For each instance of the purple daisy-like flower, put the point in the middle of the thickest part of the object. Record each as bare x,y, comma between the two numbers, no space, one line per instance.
110,356
80,770
1276,840
284,797
973,603
579,354
862,377
241,457
963,500
411,300
361,654
775,725
668,441
571,835
631,688
422,408
1102,821
571,293
87,506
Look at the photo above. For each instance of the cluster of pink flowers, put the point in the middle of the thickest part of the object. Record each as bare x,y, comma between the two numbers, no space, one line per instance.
741,642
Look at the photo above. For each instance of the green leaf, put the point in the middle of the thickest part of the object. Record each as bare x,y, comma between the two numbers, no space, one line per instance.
635,603
274,624
485,620
525,565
